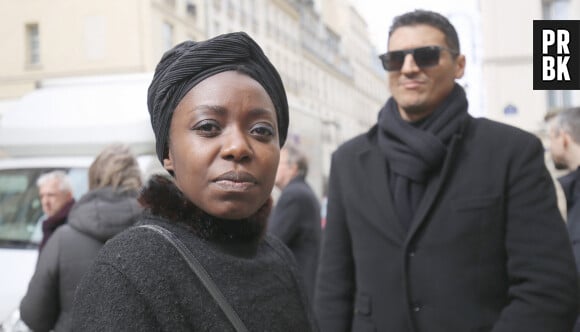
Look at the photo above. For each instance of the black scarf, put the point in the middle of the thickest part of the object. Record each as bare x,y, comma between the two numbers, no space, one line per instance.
50,224
162,198
416,151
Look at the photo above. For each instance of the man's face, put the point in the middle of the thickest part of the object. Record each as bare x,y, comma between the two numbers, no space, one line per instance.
418,91
286,171
52,198
558,147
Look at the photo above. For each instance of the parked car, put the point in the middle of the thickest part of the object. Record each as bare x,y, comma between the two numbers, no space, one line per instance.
21,218
20,223
63,125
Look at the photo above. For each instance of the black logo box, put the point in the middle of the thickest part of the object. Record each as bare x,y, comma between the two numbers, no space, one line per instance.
573,28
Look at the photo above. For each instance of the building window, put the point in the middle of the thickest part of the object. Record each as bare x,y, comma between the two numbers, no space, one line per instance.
253,16
230,9
95,37
170,3
217,5
254,25
558,99
191,9
243,18
555,9
216,28
32,44
167,35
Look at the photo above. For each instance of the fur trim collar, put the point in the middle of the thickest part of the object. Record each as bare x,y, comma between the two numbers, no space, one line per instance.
161,197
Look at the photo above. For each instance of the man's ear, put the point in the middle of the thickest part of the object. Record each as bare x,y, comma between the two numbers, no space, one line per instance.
294,170
459,66
566,139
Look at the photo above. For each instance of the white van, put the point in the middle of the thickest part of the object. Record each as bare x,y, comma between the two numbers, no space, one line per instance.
60,126
21,216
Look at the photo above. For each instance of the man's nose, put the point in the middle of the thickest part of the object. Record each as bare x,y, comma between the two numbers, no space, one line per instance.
409,65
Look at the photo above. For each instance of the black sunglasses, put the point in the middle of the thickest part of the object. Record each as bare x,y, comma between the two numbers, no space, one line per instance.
426,56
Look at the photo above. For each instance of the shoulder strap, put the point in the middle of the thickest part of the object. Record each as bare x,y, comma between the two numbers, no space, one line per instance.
203,276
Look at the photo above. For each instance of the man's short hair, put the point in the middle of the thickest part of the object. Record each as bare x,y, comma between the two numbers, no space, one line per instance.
568,120
427,17
296,157
61,178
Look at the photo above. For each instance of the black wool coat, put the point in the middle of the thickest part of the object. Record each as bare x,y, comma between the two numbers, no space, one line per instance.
295,220
487,249
571,186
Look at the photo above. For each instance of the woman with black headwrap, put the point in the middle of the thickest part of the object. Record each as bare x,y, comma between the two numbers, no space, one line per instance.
220,115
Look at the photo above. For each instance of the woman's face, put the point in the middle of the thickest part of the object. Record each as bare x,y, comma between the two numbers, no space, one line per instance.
223,145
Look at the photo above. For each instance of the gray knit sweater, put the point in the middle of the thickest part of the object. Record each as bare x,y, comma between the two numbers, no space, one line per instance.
139,282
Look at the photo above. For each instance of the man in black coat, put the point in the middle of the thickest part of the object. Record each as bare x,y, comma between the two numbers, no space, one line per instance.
564,134
296,218
437,221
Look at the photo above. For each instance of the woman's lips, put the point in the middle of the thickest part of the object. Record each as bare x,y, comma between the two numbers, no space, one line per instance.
236,181
234,186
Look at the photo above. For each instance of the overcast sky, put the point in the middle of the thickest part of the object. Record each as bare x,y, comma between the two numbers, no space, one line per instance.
379,14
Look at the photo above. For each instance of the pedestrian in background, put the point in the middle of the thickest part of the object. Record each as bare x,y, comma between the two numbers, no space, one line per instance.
220,115
438,221
564,135
56,199
296,217
109,207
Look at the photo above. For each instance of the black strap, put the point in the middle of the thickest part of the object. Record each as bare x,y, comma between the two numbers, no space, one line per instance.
202,274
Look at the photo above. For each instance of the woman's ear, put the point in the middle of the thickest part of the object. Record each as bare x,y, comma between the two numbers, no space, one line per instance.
168,164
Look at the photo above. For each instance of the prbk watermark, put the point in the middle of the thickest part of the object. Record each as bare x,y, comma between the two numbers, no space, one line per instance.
556,54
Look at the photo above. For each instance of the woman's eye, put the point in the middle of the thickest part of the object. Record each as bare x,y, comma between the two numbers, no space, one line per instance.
207,128
263,130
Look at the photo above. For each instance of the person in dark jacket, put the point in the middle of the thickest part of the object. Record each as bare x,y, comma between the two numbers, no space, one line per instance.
56,198
220,115
109,207
296,217
437,221
564,136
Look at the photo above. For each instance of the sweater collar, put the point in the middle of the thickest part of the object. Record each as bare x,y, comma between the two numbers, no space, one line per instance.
161,198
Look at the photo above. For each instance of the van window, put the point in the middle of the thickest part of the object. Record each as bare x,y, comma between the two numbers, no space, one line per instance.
20,209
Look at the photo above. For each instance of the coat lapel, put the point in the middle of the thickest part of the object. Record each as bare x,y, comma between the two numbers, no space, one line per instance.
384,218
433,189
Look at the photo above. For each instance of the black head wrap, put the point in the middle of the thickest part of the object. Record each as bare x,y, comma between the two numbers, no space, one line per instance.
188,63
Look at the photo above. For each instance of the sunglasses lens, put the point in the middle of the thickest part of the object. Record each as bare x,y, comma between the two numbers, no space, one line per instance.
393,60
426,56
423,56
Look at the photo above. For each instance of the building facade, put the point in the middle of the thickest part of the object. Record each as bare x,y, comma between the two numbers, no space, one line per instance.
330,70
507,29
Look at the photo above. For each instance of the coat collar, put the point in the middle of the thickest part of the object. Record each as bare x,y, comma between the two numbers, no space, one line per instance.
374,163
